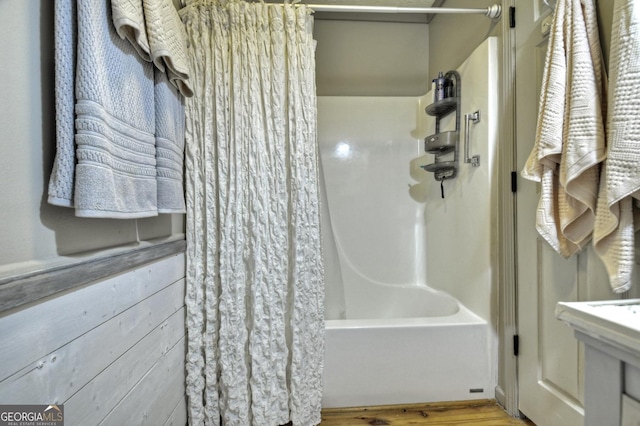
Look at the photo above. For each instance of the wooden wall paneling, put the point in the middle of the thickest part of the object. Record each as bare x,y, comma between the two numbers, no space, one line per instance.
136,406
63,372
34,286
96,399
173,391
41,328
179,415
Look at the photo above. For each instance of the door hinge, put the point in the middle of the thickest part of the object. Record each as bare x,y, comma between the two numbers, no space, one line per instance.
516,345
512,17
514,182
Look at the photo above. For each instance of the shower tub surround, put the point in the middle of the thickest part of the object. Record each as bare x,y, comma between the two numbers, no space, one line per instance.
412,320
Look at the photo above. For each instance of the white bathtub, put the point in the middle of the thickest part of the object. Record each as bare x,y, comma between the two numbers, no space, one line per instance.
402,341
441,355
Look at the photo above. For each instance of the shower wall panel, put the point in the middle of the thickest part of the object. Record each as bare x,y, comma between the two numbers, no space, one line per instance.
366,145
461,227
390,222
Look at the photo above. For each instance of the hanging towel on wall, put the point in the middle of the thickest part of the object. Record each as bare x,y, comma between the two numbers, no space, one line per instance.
112,161
128,19
62,177
105,122
170,126
115,121
155,30
617,213
570,137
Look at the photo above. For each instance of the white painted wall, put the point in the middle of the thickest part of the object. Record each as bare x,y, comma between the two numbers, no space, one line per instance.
359,58
112,352
452,37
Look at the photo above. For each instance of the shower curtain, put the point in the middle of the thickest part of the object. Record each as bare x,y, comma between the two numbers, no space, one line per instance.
255,316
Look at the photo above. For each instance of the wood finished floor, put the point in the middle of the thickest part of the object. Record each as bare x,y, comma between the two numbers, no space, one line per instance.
474,413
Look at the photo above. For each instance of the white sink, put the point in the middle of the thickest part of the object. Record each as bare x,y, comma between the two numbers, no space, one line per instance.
611,334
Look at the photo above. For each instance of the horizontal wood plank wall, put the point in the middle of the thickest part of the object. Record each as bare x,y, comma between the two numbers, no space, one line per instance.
112,352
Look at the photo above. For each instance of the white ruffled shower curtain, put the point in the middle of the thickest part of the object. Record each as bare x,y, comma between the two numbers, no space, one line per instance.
255,285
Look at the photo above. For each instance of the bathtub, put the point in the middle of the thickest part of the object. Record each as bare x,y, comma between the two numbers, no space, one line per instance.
391,337
431,348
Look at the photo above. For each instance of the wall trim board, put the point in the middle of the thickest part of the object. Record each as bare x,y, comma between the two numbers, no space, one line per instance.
19,290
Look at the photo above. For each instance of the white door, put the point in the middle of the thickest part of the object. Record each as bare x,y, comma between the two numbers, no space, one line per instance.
550,361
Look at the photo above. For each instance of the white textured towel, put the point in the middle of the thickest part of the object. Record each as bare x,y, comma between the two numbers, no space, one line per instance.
170,126
105,163
115,121
112,159
570,137
62,177
128,19
617,213
155,30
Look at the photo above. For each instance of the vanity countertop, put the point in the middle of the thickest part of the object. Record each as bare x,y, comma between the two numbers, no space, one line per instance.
616,322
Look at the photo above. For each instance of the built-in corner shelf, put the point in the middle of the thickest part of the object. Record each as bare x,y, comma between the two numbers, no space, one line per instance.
442,143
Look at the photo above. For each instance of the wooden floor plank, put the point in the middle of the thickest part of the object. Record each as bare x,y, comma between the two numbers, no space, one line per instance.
473,413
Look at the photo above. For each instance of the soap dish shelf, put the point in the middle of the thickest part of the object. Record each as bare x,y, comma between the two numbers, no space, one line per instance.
441,143
442,107
440,166
442,170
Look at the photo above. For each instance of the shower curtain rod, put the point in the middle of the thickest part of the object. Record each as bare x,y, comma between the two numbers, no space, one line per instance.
492,12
